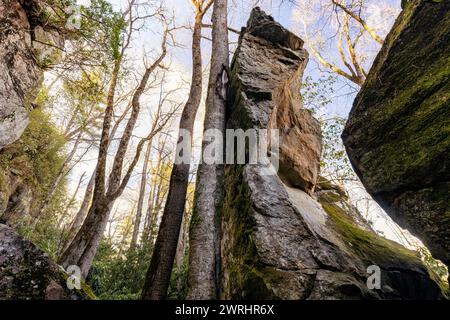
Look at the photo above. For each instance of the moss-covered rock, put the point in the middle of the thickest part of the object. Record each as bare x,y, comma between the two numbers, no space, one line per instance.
28,167
280,243
398,132
27,273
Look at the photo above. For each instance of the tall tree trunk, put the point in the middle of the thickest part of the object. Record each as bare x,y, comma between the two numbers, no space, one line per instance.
96,218
149,215
181,248
154,191
204,258
82,249
184,233
140,204
158,274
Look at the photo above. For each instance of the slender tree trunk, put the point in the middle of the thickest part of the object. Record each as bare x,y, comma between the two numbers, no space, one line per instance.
126,232
54,186
181,250
151,226
179,256
184,233
137,222
158,274
204,258
157,205
71,201
149,216
82,212
155,185
82,249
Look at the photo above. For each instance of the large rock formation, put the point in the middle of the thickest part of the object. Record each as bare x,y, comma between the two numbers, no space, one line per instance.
280,238
27,273
398,132
272,78
29,38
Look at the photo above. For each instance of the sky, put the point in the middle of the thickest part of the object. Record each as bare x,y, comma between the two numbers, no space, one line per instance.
381,15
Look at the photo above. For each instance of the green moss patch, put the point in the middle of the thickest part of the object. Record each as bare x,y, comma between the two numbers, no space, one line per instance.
368,246
248,277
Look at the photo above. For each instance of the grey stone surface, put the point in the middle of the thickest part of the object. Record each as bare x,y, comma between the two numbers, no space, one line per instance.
25,48
285,241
